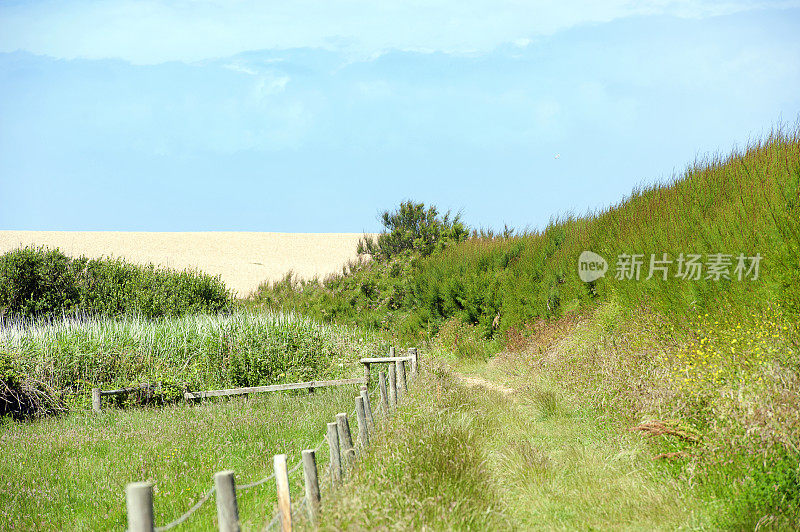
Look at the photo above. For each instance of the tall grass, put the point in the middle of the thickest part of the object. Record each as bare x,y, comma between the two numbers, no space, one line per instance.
471,458
746,203
718,356
204,351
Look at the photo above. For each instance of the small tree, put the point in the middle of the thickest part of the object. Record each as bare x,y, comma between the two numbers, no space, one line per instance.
413,228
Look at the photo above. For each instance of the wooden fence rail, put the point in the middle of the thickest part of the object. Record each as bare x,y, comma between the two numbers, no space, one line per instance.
412,357
98,394
272,388
139,495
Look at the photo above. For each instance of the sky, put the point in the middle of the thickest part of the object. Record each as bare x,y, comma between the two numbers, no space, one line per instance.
306,116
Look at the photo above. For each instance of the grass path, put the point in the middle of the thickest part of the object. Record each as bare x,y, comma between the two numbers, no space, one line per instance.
496,446
563,467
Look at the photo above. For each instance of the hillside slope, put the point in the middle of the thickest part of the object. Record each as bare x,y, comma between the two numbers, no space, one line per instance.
704,354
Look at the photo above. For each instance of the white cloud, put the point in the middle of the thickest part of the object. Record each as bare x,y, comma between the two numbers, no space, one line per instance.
152,31
239,67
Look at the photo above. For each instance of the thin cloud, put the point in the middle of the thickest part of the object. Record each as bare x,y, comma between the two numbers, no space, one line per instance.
150,32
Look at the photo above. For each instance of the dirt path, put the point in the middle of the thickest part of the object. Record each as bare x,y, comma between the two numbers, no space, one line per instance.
484,383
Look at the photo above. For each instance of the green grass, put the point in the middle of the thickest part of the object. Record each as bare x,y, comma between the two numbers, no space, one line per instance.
70,472
469,458
715,356
198,352
747,202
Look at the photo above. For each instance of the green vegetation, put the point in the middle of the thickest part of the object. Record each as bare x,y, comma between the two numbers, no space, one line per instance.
413,229
475,458
39,283
710,363
636,403
747,203
69,472
200,352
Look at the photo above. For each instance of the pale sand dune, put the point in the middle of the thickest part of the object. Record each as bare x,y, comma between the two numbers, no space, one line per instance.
242,259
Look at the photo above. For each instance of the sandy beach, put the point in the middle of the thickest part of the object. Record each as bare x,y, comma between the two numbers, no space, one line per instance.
244,260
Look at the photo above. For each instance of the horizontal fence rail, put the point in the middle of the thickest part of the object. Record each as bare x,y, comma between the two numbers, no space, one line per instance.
272,388
343,451
378,360
98,394
413,357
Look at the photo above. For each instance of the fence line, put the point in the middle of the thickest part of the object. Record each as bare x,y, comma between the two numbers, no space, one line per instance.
139,495
98,394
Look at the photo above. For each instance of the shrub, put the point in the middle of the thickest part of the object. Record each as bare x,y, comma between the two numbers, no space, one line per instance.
21,397
412,228
38,282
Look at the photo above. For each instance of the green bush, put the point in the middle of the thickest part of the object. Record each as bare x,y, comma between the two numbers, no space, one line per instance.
39,282
413,229
35,281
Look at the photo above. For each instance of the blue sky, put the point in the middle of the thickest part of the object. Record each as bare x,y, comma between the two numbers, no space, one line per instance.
315,116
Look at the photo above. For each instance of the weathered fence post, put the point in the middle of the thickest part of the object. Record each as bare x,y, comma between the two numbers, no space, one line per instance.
391,351
368,407
393,385
384,394
401,376
361,417
139,503
414,361
366,373
335,456
345,439
284,499
312,484
97,401
227,507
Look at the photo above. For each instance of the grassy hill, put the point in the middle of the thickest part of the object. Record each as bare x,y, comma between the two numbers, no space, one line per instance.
703,355
747,203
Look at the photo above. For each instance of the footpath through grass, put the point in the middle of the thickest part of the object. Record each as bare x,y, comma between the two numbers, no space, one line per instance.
478,456
70,472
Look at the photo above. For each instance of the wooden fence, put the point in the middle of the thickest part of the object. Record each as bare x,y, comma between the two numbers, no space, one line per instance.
341,446
413,358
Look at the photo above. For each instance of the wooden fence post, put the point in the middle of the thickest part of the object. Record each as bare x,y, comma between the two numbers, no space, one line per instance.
414,361
335,456
139,503
284,499
361,417
97,400
345,439
384,394
391,351
312,485
393,385
366,373
227,507
401,376
368,408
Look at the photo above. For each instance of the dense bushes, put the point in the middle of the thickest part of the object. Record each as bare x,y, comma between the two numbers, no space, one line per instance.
38,282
